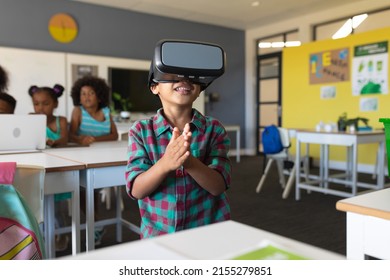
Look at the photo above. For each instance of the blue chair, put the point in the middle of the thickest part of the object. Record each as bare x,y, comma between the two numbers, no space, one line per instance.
285,165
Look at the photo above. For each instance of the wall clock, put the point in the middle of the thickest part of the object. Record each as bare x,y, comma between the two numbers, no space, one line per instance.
63,28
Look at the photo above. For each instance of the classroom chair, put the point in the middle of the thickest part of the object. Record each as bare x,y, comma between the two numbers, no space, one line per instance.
29,181
106,197
284,163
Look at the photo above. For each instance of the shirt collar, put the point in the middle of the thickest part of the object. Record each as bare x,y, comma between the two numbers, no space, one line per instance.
161,125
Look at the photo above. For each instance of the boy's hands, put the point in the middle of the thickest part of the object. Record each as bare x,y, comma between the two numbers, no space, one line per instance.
178,149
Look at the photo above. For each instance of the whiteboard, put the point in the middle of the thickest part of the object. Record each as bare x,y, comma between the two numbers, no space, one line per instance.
31,67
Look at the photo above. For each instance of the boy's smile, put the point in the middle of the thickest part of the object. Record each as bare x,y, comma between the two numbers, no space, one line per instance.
184,88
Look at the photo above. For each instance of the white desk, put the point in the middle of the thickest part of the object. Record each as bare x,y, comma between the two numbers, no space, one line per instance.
368,224
223,240
351,141
61,176
237,130
105,164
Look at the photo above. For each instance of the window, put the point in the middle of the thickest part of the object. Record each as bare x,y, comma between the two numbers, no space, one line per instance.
375,20
276,43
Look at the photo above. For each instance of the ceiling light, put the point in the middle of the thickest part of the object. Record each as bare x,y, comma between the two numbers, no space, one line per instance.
344,31
277,44
255,4
292,43
264,45
349,25
357,20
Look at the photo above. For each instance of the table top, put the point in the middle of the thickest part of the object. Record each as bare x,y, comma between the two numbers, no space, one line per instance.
224,240
374,203
51,163
109,153
339,137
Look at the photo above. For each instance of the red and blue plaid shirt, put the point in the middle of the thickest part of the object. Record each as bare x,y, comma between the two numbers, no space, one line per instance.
179,202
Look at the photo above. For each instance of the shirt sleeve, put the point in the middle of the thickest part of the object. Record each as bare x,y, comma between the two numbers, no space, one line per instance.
138,160
218,154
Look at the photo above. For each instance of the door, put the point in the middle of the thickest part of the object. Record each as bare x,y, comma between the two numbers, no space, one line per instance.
269,93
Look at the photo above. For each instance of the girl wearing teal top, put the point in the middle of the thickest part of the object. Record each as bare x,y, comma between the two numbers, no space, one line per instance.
91,119
45,101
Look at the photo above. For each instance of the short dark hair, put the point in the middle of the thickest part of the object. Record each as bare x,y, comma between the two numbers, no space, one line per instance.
9,99
3,80
54,92
99,85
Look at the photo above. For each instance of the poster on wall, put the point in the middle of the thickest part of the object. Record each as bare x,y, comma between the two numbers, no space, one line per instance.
370,69
329,66
368,104
328,92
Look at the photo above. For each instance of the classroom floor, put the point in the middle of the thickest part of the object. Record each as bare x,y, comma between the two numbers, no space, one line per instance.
313,220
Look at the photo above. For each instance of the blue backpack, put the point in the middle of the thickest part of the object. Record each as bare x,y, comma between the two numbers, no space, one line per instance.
270,138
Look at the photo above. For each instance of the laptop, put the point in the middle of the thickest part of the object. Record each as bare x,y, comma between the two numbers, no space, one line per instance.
22,133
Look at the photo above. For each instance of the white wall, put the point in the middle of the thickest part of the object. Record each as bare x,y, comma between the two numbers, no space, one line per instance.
43,68
304,25
31,67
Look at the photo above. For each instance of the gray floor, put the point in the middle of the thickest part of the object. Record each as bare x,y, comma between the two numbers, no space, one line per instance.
313,219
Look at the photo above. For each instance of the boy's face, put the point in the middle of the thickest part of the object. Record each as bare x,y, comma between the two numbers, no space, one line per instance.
182,93
5,108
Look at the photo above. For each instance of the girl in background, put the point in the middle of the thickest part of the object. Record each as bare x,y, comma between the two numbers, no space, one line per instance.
45,101
92,121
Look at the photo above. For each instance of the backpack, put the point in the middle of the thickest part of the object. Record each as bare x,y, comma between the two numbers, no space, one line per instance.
270,138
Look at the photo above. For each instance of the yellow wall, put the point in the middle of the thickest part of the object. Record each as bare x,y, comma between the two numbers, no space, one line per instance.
303,106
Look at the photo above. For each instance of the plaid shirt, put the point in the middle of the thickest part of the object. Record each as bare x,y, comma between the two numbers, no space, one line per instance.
179,202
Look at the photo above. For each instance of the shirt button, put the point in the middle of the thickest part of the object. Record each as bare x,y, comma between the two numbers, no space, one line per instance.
179,173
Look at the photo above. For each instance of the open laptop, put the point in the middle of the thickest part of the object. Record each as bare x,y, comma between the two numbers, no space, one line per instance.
22,133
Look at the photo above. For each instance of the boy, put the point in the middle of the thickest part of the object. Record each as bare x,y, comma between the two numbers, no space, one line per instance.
178,167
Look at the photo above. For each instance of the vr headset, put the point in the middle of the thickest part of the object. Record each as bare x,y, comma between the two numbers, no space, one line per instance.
175,60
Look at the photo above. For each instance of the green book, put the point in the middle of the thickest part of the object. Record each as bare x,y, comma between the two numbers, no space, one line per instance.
269,252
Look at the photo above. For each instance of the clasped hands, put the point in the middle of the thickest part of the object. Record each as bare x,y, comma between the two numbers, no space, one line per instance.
178,150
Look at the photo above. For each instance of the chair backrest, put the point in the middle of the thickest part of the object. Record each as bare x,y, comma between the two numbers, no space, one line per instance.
285,137
29,181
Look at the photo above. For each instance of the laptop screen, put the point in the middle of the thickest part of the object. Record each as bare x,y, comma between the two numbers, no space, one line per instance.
22,133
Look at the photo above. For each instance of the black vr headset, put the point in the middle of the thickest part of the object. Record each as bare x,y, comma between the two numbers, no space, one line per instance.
174,60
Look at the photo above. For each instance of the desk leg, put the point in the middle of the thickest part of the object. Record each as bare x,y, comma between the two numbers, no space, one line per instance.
90,210
354,168
355,236
76,218
238,145
298,170
326,167
118,192
49,226
381,166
